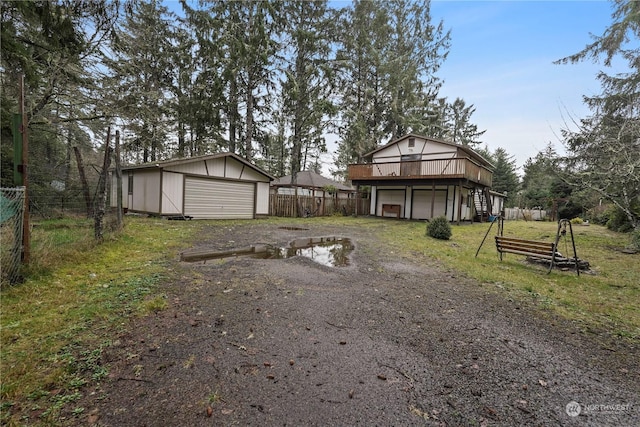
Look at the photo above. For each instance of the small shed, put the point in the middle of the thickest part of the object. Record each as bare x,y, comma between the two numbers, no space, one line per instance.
309,183
216,186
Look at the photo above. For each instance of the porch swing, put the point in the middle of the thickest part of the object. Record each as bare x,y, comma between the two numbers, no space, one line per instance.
538,251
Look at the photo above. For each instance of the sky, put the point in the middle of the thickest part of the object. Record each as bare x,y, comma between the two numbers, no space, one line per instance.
501,61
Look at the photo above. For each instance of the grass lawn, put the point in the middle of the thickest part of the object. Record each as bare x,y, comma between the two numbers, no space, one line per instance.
607,297
79,294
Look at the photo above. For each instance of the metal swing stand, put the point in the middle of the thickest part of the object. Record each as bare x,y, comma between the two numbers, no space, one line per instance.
535,249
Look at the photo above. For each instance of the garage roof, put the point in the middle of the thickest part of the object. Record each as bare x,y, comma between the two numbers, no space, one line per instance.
173,162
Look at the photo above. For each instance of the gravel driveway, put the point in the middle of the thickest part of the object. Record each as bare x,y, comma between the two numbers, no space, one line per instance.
388,340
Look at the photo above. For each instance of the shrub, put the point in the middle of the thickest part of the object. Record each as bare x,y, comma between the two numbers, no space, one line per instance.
635,239
439,228
618,221
577,220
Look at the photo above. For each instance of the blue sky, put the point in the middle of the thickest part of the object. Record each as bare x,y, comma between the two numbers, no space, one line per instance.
501,61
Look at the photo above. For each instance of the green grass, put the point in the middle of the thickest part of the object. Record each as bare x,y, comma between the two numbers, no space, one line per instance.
607,299
77,293
80,294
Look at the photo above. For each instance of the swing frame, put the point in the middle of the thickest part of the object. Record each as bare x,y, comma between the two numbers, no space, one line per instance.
533,248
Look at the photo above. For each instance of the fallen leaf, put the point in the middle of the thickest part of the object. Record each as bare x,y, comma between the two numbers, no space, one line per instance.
227,411
382,377
343,342
209,411
291,362
543,383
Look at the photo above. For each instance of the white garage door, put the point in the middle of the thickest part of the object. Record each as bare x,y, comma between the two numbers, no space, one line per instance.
422,204
217,199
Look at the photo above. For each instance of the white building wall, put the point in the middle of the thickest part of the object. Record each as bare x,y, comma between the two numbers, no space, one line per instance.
146,191
172,193
430,150
194,168
262,198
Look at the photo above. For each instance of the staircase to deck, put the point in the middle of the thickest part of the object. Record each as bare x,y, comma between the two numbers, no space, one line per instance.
482,201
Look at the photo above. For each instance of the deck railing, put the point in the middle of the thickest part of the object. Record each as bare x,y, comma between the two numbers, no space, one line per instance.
426,169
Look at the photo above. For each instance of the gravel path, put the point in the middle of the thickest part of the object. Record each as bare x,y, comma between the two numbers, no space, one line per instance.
388,340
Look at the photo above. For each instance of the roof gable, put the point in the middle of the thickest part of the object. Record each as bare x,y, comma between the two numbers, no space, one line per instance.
464,148
173,162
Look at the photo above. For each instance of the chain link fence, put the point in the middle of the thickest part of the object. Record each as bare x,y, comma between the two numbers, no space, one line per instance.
11,220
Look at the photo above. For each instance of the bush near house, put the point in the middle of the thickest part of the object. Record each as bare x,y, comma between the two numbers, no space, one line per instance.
439,228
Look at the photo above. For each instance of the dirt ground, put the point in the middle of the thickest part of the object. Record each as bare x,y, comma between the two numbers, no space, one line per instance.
386,341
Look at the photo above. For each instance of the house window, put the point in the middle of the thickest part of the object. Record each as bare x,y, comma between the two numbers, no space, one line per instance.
412,142
410,157
130,184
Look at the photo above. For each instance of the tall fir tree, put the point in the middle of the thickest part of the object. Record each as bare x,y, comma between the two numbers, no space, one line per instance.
140,78
307,86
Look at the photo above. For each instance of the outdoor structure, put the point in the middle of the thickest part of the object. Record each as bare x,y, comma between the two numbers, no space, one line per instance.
309,183
482,202
216,186
311,195
417,177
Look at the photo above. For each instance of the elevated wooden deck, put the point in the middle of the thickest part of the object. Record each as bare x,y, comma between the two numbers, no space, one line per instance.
421,170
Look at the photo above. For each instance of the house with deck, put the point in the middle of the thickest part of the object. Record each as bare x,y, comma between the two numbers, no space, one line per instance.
417,177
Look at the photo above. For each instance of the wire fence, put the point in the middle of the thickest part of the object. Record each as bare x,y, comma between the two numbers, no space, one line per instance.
11,220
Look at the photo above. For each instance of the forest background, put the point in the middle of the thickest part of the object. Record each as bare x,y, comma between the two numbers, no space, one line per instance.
270,81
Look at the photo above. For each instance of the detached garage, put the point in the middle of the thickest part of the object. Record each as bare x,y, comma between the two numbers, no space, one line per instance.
217,186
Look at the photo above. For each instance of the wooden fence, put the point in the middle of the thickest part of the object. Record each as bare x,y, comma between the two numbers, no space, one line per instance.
527,214
286,205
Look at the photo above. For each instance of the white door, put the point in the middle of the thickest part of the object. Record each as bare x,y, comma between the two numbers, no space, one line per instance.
218,199
421,208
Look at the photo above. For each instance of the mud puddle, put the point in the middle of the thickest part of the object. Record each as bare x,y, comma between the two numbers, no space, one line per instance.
328,251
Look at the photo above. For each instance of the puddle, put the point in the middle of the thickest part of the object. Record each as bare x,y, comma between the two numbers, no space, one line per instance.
329,251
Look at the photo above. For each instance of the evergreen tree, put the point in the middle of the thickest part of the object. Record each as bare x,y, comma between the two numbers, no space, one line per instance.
55,45
307,87
141,78
460,129
412,56
539,173
390,53
365,33
505,178
604,153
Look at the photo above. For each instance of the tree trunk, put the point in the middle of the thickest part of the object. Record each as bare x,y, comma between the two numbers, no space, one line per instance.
119,218
83,180
233,115
249,122
101,196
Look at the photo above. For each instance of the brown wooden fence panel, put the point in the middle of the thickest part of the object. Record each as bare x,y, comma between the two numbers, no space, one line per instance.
284,205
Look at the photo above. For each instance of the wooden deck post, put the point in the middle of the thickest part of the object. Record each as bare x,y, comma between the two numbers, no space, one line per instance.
433,197
459,202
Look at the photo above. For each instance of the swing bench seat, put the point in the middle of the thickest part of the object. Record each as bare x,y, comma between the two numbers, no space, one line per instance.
532,248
